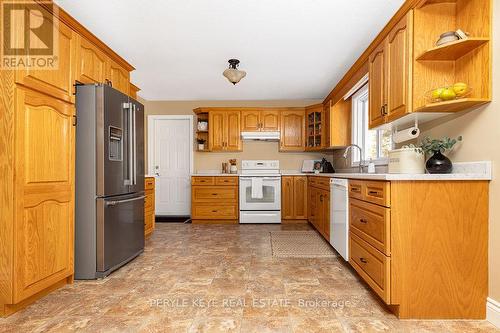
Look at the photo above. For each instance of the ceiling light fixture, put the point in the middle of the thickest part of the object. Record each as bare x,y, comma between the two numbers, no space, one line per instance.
233,74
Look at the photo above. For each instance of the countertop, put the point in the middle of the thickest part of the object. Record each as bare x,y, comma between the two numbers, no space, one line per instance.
461,171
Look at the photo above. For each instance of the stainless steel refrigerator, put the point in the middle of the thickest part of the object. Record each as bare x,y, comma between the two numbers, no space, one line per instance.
109,202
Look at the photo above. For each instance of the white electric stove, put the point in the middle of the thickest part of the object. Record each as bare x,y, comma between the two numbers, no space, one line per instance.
260,191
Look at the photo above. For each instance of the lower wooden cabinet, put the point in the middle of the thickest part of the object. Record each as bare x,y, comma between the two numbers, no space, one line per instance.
149,206
214,199
294,198
319,204
422,246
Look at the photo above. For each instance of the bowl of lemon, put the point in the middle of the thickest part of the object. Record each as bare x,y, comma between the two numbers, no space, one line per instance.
448,93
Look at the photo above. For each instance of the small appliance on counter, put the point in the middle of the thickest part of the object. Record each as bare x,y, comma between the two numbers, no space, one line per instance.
317,166
311,166
326,166
406,160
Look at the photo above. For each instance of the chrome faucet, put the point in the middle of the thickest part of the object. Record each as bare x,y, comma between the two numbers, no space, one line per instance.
361,162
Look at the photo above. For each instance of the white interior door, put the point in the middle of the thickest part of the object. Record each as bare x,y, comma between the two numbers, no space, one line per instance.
170,161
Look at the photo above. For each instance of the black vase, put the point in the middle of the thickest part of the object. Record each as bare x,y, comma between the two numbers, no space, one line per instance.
438,163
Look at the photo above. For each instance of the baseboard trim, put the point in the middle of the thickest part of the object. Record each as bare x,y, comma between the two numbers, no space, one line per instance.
493,311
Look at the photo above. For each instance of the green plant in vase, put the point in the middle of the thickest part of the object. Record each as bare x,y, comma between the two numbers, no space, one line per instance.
438,163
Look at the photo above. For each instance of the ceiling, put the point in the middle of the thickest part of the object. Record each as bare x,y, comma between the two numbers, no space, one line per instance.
291,49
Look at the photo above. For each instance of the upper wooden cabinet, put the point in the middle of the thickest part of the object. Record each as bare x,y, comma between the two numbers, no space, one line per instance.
92,63
270,120
399,63
224,130
315,129
406,66
259,120
117,76
226,124
377,89
59,82
292,130
133,90
389,66
250,121
340,123
95,67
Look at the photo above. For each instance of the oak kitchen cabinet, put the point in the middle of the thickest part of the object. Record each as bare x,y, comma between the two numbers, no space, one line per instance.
265,120
410,242
224,130
319,204
292,134
37,158
315,127
389,67
214,199
294,197
149,206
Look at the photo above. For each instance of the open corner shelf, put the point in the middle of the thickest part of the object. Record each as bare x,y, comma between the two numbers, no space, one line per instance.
453,106
453,50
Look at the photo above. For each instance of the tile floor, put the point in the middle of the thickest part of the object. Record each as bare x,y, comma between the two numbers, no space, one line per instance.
198,278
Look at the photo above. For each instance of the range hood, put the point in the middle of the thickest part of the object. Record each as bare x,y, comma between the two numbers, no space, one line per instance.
263,136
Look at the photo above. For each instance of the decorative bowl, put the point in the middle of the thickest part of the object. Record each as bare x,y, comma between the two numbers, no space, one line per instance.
448,93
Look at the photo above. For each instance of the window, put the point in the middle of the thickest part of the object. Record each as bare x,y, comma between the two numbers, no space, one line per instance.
375,143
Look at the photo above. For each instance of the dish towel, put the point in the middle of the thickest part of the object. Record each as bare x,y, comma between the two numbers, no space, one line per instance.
257,188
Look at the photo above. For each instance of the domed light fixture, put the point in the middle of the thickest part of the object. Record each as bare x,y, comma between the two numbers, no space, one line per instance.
233,74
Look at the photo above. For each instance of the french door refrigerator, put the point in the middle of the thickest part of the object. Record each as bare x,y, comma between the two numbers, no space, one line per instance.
109,202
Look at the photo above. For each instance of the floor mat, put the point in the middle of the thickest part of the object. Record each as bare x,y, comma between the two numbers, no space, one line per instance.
300,244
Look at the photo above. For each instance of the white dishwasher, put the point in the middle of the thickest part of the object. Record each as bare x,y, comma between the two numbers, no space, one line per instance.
339,216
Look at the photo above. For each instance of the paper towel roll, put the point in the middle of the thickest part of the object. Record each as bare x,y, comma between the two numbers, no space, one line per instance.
405,135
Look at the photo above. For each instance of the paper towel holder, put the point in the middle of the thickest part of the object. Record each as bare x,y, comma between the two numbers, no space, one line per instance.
415,131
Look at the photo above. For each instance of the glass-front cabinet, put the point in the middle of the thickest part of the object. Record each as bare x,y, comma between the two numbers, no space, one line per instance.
314,127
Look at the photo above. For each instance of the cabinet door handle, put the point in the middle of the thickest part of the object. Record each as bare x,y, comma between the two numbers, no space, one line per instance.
355,189
214,211
363,221
373,192
363,260
384,109
214,193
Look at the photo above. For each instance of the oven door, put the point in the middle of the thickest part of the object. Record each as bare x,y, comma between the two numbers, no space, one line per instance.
271,194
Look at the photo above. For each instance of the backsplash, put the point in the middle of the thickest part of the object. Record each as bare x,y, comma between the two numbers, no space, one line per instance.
256,150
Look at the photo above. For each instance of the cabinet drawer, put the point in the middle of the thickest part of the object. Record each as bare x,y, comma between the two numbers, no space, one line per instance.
372,223
356,189
320,182
323,182
149,183
377,192
214,194
203,180
212,212
373,266
226,181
